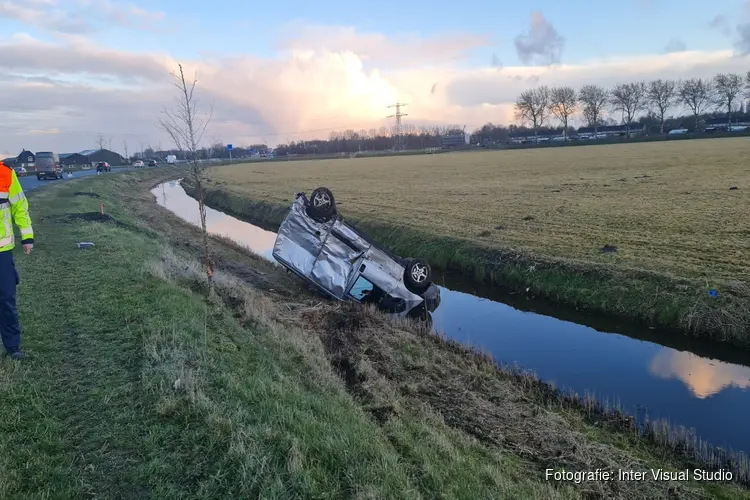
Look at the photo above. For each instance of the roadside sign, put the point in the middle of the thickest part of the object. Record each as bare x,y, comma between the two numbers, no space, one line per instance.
229,147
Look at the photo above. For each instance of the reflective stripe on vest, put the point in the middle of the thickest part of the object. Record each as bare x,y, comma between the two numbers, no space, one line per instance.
15,199
3,195
8,237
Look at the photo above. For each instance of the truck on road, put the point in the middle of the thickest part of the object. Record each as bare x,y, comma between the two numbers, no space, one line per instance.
48,165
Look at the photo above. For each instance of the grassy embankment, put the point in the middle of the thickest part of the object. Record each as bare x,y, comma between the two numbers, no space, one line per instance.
539,219
139,385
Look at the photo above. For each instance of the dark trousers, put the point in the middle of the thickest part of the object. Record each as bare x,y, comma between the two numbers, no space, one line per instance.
10,328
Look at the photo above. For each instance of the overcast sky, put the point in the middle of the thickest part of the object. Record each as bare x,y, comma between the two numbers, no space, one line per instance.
289,70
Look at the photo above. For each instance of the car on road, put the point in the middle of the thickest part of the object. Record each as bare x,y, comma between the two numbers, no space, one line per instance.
48,165
343,263
153,163
138,164
103,166
20,171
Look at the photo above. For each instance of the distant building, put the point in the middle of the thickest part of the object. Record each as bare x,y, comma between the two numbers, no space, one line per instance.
97,155
452,141
25,159
739,122
74,159
612,131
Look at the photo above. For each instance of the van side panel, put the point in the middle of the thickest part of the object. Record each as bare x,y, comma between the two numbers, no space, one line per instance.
297,243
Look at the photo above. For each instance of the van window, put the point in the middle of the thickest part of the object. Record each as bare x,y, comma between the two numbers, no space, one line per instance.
361,289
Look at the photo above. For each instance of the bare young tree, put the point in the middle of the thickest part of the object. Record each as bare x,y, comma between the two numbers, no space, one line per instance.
125,147
628,99
662,95
532,106
563,102
101,142
109,143
593,99
697,94
727,91
186,127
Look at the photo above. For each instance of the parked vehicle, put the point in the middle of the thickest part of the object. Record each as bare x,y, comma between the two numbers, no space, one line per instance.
103,166
171,159
341,262
138,164
48,165
152,163
20,171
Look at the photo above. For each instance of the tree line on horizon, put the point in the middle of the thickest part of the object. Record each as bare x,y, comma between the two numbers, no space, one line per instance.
721,95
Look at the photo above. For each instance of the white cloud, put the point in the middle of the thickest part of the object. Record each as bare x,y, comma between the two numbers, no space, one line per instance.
78,16
80,89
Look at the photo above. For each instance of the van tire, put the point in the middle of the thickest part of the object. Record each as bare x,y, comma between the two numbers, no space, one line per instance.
417,276
322,205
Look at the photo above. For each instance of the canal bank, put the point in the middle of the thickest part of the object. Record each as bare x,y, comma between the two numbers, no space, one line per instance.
647,373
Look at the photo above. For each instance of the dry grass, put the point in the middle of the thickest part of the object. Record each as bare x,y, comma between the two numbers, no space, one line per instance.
667,206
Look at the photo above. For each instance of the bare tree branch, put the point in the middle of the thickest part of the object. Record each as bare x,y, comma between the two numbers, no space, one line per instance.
125,147
186,127
594,99
697,94
533,106
629,99
662,95
563,102
727,91
101,142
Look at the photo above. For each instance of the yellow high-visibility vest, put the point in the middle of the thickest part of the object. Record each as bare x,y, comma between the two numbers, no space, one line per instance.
14,208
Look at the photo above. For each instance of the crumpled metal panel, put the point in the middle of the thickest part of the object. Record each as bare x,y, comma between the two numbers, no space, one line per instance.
297,242
351,235
381,277
335,265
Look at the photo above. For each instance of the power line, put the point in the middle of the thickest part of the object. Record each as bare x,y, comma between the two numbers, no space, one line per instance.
397,143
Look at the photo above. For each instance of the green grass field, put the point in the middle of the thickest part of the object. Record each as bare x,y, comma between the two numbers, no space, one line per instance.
667,207
139,385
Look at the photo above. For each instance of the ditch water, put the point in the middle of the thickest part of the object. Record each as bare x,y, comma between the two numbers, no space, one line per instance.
695,384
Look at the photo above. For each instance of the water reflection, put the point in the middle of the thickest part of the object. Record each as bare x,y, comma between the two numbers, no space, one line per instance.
636,371
704,377
173,197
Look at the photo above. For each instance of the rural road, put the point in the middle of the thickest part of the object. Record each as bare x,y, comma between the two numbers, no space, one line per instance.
29,182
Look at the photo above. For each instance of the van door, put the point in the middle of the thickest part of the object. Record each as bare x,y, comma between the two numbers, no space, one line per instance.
338,260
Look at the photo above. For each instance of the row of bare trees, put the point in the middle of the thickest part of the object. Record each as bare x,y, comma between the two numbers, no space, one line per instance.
725,92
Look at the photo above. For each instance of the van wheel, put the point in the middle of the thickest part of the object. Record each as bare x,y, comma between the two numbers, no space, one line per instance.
417,276
322,205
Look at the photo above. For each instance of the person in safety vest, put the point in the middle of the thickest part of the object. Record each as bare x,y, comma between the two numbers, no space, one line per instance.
13,209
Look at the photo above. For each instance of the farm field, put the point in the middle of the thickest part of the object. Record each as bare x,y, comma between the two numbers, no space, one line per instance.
667,207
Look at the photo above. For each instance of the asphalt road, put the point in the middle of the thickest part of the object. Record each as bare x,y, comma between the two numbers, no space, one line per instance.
29,182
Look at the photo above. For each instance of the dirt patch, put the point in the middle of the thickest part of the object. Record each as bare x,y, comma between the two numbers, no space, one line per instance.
608,249
83,193
484,234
